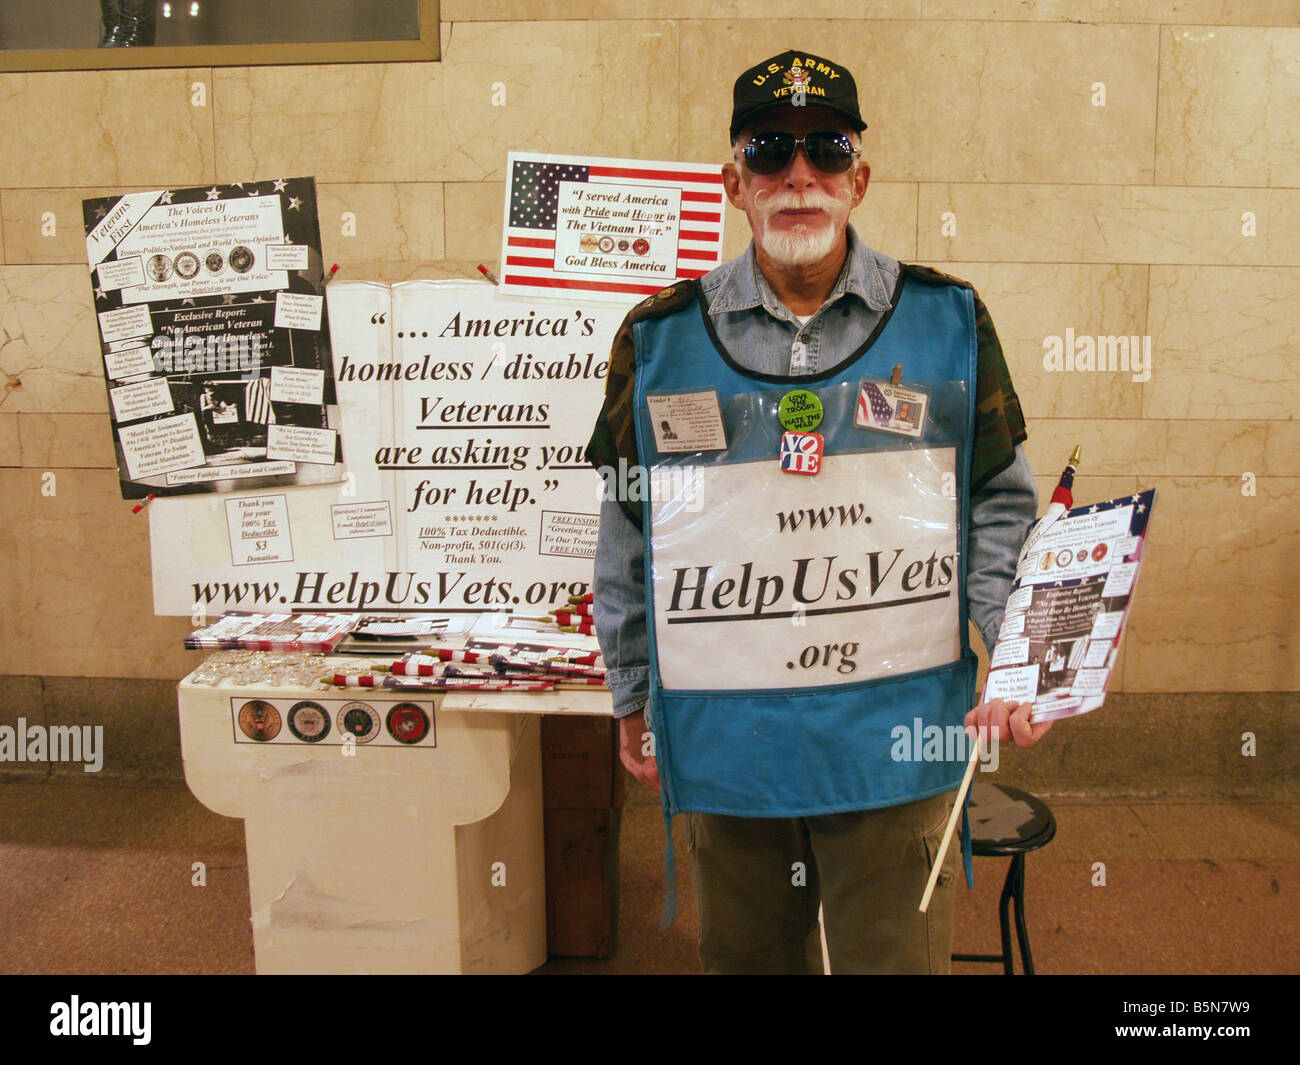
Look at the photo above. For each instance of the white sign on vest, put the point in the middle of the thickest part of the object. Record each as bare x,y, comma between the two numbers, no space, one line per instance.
767,580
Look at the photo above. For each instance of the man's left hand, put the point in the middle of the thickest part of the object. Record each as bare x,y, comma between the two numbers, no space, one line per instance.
997,719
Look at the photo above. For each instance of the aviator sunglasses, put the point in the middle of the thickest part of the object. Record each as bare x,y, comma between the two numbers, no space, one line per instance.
770,153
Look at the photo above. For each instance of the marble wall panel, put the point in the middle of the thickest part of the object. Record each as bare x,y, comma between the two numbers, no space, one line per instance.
391,271
1109,224
67,441
1228,344
49,341
1218,607
582,87
475,211
1153,448
401,222
1229,107
75,582
541,10
11,452
106,127
1191,12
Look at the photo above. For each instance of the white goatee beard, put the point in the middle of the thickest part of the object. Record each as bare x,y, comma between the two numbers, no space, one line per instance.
803,244
799,246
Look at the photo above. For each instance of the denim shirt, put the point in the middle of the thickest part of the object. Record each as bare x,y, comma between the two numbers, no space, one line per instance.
763,335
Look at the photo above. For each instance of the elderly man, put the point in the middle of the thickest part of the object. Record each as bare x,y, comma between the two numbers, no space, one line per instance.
841,479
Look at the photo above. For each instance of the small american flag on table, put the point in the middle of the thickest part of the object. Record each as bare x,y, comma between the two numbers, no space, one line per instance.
636,257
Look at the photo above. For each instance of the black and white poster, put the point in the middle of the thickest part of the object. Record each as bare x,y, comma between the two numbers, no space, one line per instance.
215,341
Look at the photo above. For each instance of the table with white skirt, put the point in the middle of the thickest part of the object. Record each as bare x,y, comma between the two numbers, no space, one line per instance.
388,831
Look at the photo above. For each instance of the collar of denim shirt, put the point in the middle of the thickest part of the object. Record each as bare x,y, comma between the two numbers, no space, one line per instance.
740,286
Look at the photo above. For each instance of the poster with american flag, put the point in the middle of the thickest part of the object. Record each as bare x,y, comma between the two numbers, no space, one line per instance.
615,229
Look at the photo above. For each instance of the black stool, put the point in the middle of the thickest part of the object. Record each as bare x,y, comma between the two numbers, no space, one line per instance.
1004,822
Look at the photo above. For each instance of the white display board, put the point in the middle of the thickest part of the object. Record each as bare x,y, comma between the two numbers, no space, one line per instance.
465,415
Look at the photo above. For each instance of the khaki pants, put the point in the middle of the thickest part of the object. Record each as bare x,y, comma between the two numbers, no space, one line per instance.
759,882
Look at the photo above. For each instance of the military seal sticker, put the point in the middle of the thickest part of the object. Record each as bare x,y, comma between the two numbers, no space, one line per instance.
241,259
308,721
408,723
891,408
802,453
187,265
799,411
360,721
259,721
159,267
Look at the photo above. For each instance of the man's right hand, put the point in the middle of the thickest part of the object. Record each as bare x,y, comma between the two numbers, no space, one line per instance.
634,741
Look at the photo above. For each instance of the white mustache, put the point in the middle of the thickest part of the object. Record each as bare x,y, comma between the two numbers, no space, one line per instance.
771,203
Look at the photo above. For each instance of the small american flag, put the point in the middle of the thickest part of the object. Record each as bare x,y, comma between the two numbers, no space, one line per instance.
873,407
257,402
532,216
1077,653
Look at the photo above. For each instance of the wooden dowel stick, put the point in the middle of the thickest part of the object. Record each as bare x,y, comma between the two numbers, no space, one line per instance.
952,824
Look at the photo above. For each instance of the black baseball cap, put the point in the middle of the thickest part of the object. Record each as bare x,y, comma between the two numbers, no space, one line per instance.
791,76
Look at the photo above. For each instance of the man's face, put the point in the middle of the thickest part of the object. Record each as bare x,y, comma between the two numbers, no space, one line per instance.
799,214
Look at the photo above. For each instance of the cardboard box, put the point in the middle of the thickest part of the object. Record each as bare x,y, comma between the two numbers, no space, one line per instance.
582,799
580,764
582,882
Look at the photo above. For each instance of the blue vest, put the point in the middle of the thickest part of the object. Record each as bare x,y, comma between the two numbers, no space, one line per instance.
808,634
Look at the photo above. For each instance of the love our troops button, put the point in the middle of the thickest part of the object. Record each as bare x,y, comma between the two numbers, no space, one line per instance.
800,411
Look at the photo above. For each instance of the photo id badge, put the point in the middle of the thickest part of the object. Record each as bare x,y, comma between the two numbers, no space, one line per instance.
686,421
891,408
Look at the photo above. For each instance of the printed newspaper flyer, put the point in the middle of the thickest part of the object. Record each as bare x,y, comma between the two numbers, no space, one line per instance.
214,337
1060,635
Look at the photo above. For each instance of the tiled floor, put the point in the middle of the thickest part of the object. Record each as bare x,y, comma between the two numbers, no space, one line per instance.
98,879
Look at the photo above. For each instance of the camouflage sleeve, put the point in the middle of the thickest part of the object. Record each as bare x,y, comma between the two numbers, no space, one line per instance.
999,422
614,436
